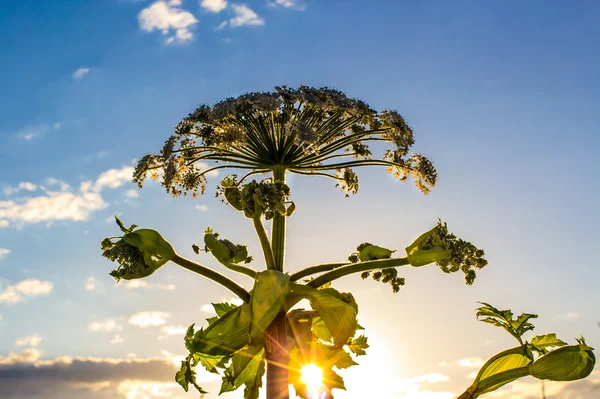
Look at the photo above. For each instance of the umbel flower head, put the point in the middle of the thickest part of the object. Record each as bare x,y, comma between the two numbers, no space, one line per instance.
306,131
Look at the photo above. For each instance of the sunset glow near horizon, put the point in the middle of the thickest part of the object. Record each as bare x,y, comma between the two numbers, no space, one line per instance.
503,98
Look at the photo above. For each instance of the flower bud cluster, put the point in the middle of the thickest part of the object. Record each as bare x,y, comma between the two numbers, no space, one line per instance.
257,198
388,275
463,255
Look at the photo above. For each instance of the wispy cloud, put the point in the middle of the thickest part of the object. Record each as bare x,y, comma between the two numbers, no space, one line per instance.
149,319
23,186
25,290
90,284
107,325
4,252
33,340
202,208
471,362
80,73
168,331
132,193
32,131
117,340
113,178
135,284
411,388
213,5
60,202
170,20
292,4
244,16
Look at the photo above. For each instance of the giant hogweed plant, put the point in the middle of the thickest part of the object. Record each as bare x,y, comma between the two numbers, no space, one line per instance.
308,132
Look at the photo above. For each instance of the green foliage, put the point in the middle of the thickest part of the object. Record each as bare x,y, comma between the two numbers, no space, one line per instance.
567,363
504,319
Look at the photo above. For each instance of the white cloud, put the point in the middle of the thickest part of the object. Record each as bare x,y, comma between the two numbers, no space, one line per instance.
471,362
24,186
142,389
221,25
168,331
107,325
214,5
27,356
149,319
245,16
25,289
51,207
80,73
90,284
4,252
117,339
114,178
411,388
293,4
132,193
32,131
167,18
202,208
33,340
64,204
135,284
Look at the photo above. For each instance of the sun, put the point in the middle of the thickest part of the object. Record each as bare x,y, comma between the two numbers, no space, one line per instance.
312,377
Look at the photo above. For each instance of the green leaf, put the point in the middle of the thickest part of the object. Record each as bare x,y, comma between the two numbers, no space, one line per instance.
268,295
374,252
338,316
186,375
223,337
244,369
504,319
541,343
568,363
506,361
358,345
320,329
343,360
222,308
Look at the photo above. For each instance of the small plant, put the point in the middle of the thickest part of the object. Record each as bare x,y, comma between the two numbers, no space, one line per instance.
308,132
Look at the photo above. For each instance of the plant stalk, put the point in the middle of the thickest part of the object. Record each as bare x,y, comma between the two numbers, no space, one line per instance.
357,268
214,276
264,242
277,355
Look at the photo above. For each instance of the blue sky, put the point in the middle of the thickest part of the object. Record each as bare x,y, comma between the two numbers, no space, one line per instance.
502,96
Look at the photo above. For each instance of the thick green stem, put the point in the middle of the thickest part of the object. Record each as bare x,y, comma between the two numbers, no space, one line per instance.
277,355
317,269
240,269
212,275
264,242
357,268
502,378
278,233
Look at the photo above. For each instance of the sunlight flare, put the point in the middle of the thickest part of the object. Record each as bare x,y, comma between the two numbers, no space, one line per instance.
312,377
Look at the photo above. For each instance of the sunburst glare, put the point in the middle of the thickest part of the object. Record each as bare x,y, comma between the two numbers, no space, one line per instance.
312,377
